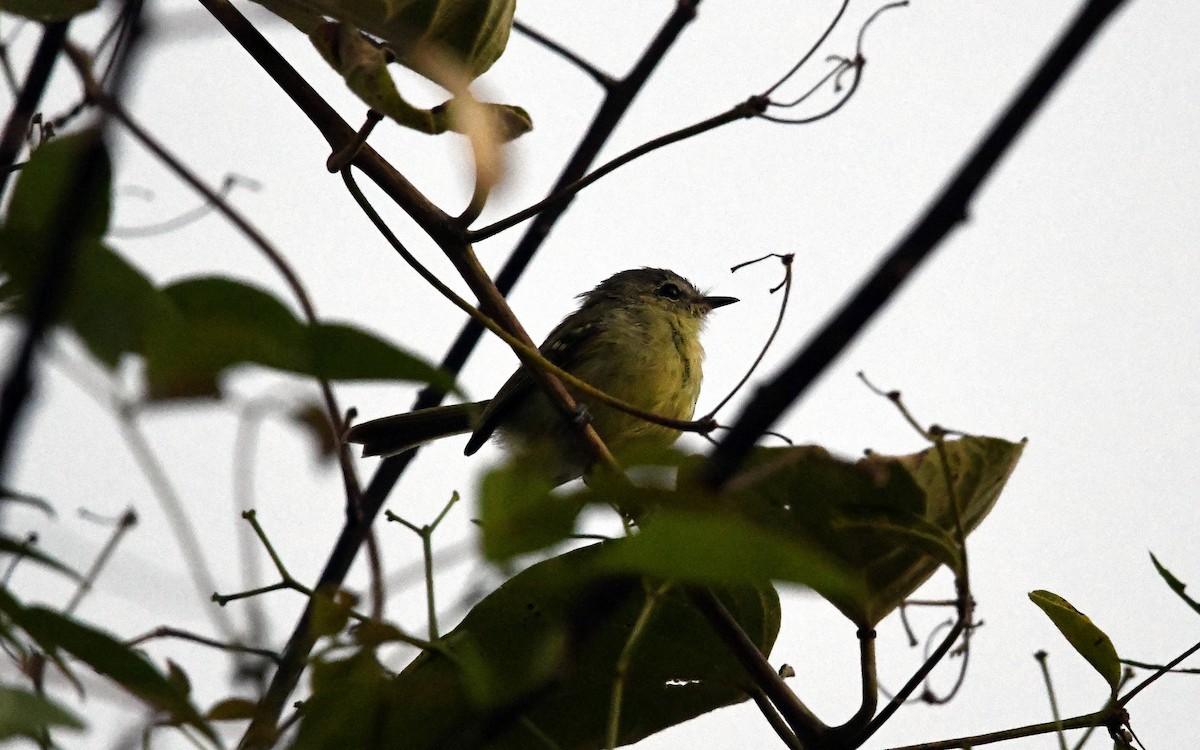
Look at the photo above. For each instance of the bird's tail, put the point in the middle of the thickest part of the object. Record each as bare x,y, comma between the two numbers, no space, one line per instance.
388,436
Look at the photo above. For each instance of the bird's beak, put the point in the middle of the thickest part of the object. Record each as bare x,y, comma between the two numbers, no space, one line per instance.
712,303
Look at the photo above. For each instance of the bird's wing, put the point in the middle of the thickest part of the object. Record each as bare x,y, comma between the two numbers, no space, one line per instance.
561,347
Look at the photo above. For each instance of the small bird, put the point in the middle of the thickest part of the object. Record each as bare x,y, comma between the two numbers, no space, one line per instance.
635,336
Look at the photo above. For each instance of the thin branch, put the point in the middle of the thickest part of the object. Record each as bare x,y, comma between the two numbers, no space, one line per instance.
786,285
126,522
606,81
870,688
775,720
752,107
803,722
54,35
912,684
336,131
187,217
1041,657
177,517
947,211
237,648
1099,718
811,51
615,104
654,595
1124,700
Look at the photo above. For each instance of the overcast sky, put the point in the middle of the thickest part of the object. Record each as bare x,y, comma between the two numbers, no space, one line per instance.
1064,311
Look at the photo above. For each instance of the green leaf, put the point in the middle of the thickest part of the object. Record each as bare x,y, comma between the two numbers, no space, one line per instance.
16,616
471,33
541,651
24,549
1176,585
108,303
364,67
348,706
864,534
342,352
107,656
120,663
723,547
26,714
220,323
232,709
330,614
39,199
518,511
889,520
46,11
1083,635
450,42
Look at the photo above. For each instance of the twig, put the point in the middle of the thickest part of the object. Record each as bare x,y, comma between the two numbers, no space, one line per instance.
803,722
54,35
187,217
237,648
336,131
870,688
811,50
1041,657
752,107
1099,718
126,522
786,285
290,277
615,104
1148,665
775,720
654,595
947,210
177,518
914,681
426,534
1124,700
606,81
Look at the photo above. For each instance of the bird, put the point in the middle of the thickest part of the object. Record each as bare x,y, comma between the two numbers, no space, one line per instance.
636,336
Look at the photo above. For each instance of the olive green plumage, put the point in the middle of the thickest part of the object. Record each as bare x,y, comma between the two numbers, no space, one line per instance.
635,336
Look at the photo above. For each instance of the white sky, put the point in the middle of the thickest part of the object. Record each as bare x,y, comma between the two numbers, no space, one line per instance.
1063,312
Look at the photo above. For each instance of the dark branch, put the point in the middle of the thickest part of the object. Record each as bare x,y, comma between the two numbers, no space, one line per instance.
947,211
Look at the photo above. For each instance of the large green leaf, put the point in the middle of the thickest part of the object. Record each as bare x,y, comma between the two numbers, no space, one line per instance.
537,658
219,323
106,301
863,534
888,519
190,332
1090,641
107,656
518,512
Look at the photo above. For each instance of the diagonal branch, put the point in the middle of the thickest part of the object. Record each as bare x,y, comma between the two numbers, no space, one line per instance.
947,211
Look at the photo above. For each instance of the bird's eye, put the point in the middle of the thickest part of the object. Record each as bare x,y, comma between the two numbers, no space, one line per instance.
670,291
